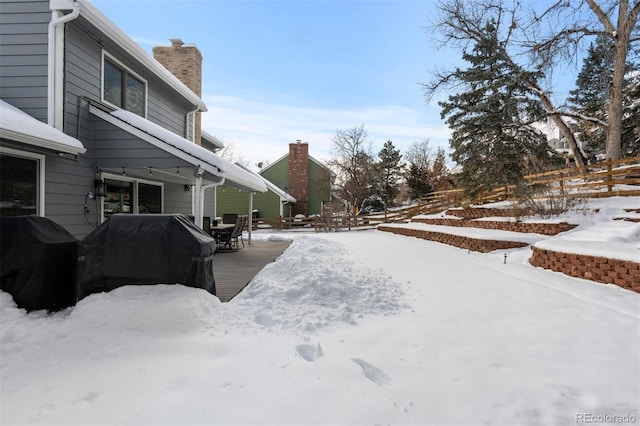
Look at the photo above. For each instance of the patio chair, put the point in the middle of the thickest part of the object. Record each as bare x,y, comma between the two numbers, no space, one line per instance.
228,241
229,217
237,231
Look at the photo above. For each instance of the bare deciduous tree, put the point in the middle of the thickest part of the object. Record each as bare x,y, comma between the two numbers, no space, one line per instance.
559,32
352,161
230,153
419,154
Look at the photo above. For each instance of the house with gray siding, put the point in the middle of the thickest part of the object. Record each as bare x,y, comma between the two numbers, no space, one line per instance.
122,131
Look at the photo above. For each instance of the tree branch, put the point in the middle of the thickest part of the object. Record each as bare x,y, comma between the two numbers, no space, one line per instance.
602,17
582,117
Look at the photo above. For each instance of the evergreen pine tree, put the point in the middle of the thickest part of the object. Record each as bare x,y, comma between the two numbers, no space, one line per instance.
439,175
418,181
631,118
492,139
390,172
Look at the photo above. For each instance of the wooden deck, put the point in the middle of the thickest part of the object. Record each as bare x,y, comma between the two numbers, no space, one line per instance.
233,271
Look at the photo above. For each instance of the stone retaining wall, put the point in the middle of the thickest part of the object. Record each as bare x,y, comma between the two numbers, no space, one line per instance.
478,212
483,246
526,227
623,273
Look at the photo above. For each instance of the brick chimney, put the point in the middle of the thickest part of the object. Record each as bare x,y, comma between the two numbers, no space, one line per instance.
299,176
185,62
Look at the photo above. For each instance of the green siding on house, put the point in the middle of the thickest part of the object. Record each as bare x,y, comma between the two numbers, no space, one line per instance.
231,200
278,174
267,204
319,188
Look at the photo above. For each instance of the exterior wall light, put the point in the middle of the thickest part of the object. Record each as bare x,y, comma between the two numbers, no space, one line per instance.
100,188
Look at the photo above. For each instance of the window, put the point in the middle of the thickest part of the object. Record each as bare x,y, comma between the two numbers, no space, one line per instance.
118,197
20,185
125,195
149,198
122,88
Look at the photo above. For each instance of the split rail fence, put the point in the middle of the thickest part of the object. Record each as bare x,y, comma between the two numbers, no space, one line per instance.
607,179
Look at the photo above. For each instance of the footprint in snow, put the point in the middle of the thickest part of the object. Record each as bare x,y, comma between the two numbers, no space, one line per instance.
373,373
309,352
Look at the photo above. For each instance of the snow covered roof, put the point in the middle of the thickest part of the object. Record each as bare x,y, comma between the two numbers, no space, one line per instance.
19,126
211,139
547,128
182,148
284,196
111,30
319,163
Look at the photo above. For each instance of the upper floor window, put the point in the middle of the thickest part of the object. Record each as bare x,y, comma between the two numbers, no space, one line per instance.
122,88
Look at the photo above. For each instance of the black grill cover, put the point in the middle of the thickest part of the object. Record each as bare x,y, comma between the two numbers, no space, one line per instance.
38,263
145,249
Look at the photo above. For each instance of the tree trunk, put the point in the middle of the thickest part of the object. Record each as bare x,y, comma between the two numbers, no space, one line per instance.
614,132
564,128
557,119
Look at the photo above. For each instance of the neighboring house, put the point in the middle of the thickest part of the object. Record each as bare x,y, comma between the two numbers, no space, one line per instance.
118,123
272,204
555,139
303,177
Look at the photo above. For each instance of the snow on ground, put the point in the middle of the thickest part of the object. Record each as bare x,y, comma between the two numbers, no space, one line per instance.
477,233
353,328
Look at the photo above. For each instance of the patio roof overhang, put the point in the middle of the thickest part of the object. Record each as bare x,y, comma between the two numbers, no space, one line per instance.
285,197
19,126
212,168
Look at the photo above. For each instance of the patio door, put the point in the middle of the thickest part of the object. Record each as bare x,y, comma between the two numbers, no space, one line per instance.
131,196
118,198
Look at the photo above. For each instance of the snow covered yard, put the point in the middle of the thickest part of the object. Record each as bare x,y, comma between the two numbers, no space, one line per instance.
365,328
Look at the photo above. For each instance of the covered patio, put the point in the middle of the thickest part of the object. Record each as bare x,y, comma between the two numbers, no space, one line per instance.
129,148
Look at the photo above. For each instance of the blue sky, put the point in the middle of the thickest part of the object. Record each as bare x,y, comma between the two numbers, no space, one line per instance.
278,71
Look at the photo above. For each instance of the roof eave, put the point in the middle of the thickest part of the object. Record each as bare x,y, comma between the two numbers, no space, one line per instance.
104,24
40,142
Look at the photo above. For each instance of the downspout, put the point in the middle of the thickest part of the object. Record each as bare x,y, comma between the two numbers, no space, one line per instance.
250,221
55,65
200,189
192,114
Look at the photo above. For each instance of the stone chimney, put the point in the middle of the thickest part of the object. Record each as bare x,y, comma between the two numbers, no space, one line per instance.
299,176
185,62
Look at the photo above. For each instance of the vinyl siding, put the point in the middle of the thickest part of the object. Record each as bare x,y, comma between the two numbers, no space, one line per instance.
109,146
115,148
23,50
23,83
278,173
177,200
231,200
83,79
268,204
319,187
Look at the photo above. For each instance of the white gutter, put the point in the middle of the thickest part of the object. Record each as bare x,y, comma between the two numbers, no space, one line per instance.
55,60
111,30
200,189
192,114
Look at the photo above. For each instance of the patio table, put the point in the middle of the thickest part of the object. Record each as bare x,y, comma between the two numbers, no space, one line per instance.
219,229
